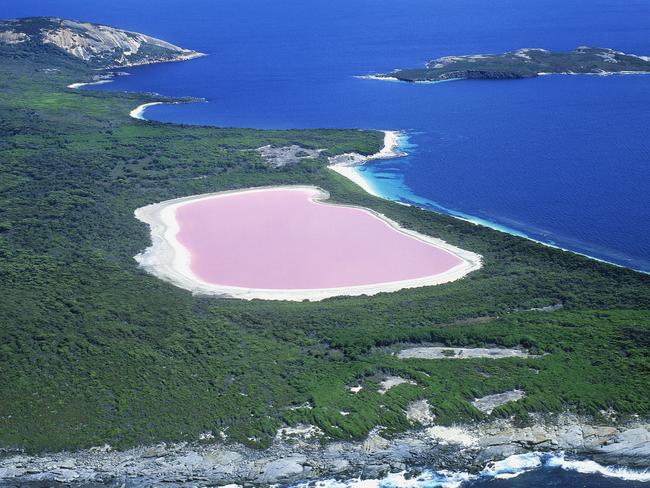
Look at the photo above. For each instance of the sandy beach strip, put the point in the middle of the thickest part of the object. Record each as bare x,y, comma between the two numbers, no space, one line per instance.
170,261
138,112
345,164
76,86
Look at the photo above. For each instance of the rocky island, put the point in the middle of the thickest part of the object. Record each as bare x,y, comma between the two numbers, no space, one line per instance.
523,63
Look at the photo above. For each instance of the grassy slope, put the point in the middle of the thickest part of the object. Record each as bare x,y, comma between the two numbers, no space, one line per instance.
93,350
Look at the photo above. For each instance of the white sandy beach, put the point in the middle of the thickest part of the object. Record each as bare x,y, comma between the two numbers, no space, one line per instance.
169,260
138,112
344,164
76,86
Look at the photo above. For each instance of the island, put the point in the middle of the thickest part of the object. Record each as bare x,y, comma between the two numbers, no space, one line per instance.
523,63
113,375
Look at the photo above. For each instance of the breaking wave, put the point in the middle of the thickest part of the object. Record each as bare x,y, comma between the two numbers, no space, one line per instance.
507,468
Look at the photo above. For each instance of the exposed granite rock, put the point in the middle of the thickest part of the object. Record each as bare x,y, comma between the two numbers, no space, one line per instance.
285,155
419,412
390,381
632,443
488,403
283,469
375,442
460,353
13,37
98,46
462,447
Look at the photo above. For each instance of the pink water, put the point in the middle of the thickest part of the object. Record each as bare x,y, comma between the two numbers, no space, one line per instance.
281,239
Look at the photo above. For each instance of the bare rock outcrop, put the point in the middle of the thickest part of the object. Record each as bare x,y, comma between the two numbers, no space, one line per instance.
99,46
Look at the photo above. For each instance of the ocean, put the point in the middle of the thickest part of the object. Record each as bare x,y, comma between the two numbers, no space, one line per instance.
560,159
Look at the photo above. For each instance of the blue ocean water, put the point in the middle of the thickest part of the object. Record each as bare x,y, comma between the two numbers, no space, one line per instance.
562,159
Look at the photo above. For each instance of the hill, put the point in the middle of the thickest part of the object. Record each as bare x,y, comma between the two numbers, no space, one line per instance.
96,45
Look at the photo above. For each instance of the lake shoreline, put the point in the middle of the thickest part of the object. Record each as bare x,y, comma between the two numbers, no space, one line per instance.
169,260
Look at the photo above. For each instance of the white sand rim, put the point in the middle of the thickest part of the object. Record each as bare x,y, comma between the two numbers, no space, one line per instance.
169,260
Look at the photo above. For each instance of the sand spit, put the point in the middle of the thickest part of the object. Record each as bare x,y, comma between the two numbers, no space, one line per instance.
377,77
100,79
138,112
460,353
76,86
344,164
167,259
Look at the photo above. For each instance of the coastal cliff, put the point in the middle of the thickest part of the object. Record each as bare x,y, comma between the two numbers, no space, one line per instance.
96,45
523,63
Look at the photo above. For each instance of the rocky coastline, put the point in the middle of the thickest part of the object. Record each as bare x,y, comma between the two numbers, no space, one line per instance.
95,45
301,455
522,63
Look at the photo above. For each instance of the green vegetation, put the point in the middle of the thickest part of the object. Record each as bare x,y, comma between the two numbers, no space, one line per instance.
94,350
524,63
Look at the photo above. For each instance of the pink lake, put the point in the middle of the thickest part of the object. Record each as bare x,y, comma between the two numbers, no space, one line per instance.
282,239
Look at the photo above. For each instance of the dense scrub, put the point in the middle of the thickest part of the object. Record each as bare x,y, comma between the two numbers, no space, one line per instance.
94,350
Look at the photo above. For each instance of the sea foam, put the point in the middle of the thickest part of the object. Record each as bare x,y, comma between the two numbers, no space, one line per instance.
507,468
587,466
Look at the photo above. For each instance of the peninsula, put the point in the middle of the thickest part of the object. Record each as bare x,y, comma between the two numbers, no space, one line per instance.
523,63
95,45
